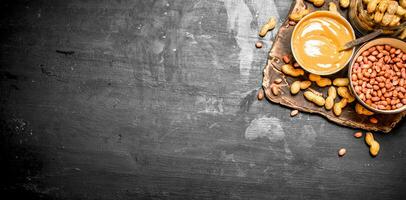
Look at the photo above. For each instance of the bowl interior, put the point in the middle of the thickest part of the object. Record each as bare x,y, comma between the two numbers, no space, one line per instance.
327,14
380,41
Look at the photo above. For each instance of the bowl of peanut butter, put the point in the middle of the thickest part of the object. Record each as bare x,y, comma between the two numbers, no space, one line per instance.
317,39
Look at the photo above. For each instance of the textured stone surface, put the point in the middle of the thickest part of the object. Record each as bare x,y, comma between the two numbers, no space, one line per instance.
148,99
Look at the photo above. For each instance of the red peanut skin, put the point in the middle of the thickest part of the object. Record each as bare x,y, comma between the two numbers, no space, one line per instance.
379,77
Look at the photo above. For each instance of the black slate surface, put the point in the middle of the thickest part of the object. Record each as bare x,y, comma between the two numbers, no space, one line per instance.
156,100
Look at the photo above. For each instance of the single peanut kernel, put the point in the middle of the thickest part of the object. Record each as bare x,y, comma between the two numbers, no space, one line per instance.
373,120
275,90
342,152
286,59
292,23
278,80
358,134
258,45
294,113
260,94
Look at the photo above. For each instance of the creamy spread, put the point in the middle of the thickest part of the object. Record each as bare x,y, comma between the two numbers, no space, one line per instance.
317,40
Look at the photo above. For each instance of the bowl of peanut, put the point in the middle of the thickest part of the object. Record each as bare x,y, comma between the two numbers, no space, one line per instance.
377,75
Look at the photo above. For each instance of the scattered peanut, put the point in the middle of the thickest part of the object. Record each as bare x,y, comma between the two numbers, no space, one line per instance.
292,23
305,84
314,77
258,45
267,27
318,3
373,120
260,94
275,90
320,81
344,3
341,82
294,113
332,94
358,134
369,137
295,87
372,143
315,91
374,148
286,59
299,85
288,69
332,7
362,110
342,152
297,15
316,99
323,82
278,80
345,93
338,107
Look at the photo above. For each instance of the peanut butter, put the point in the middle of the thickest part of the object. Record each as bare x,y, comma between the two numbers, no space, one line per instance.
316,42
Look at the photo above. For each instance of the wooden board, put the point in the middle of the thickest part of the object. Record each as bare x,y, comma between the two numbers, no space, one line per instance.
349,117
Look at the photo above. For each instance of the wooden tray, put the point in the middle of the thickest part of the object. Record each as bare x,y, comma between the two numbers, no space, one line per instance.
281,47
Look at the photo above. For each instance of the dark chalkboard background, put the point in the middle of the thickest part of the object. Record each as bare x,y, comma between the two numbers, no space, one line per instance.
156,100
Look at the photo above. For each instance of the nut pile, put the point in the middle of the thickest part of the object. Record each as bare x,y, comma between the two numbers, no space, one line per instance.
379,77
337,87
386,12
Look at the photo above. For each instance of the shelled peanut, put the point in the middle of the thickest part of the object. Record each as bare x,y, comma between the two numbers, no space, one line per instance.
379,77
260,94
275,87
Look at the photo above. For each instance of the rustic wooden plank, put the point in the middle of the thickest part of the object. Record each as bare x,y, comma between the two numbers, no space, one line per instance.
272,71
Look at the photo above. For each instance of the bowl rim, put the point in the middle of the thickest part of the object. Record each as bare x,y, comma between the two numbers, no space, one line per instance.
381,41
328,13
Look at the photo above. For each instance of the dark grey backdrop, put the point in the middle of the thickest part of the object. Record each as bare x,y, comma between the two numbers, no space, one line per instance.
156,100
